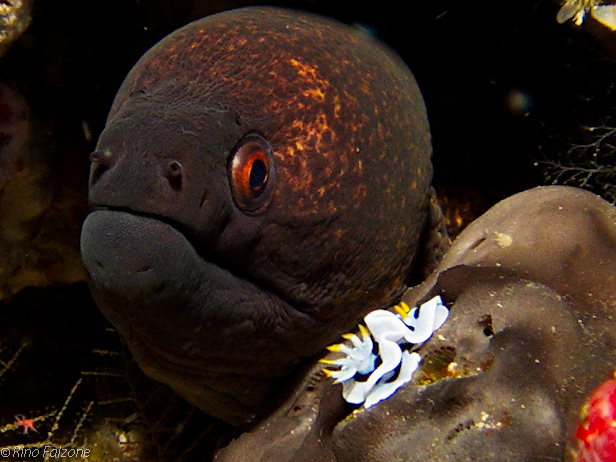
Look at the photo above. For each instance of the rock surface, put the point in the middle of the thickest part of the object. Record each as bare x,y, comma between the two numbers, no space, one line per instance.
530,286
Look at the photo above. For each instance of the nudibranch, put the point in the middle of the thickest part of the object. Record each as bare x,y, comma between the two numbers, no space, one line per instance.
388,338
262,182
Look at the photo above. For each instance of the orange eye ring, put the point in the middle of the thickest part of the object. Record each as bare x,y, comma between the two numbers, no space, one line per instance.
251,173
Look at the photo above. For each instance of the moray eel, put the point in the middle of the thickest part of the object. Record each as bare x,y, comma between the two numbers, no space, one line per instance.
262,182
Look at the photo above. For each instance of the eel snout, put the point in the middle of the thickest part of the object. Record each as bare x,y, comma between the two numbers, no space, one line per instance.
134,258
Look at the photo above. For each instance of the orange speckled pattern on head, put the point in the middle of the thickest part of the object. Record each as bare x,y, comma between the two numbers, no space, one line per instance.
347,124
345,119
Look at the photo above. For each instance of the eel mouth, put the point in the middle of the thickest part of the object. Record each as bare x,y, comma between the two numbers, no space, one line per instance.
181,228
152,283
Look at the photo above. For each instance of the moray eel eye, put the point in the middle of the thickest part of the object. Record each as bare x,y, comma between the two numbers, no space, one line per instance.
251,173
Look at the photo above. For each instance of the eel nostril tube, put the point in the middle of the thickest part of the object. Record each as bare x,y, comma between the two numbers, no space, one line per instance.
101,162
104,158
173,173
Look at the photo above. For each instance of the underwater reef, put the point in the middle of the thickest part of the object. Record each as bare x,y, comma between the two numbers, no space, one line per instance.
514,99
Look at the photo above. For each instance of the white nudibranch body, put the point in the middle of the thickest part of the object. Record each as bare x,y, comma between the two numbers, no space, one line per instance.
379,359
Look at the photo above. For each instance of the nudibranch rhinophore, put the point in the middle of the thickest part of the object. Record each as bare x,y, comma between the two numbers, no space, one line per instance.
262,182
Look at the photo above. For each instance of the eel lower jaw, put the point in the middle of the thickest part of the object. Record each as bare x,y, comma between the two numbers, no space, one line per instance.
233,398
217,339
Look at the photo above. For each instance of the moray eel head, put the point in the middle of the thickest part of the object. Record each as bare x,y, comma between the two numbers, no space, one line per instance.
261,183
